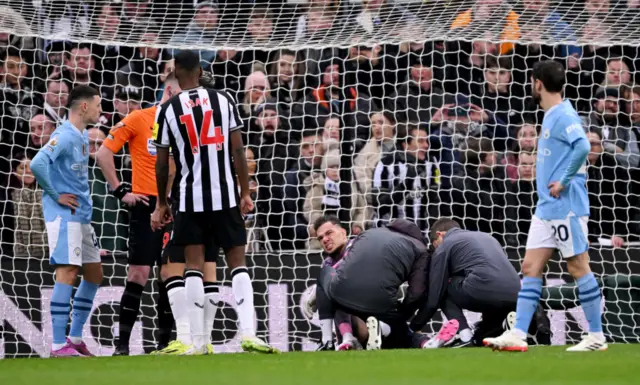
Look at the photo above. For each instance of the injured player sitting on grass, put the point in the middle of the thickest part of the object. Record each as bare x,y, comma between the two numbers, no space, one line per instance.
469,270
361,280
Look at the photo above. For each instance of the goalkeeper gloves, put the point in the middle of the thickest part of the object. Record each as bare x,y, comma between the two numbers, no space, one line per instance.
121,191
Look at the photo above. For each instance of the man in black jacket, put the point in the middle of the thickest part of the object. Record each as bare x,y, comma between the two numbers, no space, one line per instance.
468,270
366,278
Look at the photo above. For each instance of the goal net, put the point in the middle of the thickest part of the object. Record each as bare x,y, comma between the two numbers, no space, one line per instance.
371,110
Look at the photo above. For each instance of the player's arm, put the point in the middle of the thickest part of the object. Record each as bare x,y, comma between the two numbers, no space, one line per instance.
239,160
574,134
172,174
40,165
162,175
438,279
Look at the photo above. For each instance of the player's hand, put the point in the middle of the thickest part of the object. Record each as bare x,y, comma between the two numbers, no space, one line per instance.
356,229
246,204
555,188
160,217
70,201
617,241
131,199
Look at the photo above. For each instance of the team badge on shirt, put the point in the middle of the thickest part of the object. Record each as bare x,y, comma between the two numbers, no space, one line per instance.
547,133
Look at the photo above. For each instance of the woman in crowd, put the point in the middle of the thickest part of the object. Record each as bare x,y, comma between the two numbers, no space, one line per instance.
526,141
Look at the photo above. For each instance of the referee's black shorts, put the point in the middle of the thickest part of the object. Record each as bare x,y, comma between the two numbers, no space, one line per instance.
145,245
175,254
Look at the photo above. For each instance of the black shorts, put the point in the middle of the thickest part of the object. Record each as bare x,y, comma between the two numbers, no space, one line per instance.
145,245
214,229
175,254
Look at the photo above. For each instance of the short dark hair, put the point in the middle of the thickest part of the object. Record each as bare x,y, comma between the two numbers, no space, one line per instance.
405,133
187,60
442,224
493,62
551,74
327,218
476,151
81,93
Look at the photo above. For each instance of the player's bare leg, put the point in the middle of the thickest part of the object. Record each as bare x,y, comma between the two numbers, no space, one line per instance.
590,298
194,289
243,295
172,276
211,301
532,267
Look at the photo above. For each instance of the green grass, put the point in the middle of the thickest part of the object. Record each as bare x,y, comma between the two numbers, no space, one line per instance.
543,365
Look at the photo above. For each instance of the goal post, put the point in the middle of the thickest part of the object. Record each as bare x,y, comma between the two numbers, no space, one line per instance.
416,109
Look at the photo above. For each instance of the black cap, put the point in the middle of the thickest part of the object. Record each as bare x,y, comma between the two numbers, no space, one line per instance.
129,92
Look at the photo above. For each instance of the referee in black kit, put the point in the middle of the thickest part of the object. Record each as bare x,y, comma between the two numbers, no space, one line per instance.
202,127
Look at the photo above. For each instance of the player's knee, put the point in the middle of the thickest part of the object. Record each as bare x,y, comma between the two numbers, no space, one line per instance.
169,270
532,268
67,274
92,272
138,274
578,266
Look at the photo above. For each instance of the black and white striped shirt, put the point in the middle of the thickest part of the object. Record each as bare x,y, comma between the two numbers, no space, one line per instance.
197,124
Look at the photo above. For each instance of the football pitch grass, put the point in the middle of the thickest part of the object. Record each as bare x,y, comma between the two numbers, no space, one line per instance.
541,365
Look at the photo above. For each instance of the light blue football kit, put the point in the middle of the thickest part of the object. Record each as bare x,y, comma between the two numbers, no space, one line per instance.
60,167
561,223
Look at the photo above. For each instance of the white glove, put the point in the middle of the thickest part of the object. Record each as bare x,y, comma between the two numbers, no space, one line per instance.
309,307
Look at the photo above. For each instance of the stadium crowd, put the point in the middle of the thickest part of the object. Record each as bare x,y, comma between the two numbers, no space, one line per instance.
441,128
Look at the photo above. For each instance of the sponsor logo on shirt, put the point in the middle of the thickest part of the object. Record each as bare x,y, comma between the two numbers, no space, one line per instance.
151,147
572,127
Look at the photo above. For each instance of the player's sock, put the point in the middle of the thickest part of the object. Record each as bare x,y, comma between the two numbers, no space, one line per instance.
528,299
589,294
243,294
326,325
385,329
211,298
178,303
82,302
60,307
129,307
165,318
195,304
465,335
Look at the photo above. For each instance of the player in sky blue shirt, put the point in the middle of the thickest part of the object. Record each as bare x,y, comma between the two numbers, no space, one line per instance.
562,154
562,213
61,168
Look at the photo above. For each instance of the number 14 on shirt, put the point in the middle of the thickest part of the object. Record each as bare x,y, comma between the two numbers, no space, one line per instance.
204,138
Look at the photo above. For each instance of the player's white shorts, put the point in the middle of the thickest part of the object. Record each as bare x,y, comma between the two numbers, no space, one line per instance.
568,235
72,243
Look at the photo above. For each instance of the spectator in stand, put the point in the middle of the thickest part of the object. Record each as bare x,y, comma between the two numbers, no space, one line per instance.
277,153
610,121
203,29
478,190
41,128
322,20
260,28
29,236
144,69
405,182
252,167
497,96
631,154
127,99
381,143
256,91
381,17
16,105
609,186
168,68
489,15
79,68
331,97
526,142
230,68
324,199
109,221
465,65
617,74
62,19
331,134
521,200
136,18
286,77
298,182
55,100
418,99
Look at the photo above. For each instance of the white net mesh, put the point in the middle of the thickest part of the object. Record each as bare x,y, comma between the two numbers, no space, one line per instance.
424,106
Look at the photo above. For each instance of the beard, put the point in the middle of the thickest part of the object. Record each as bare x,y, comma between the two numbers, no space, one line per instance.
535,95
